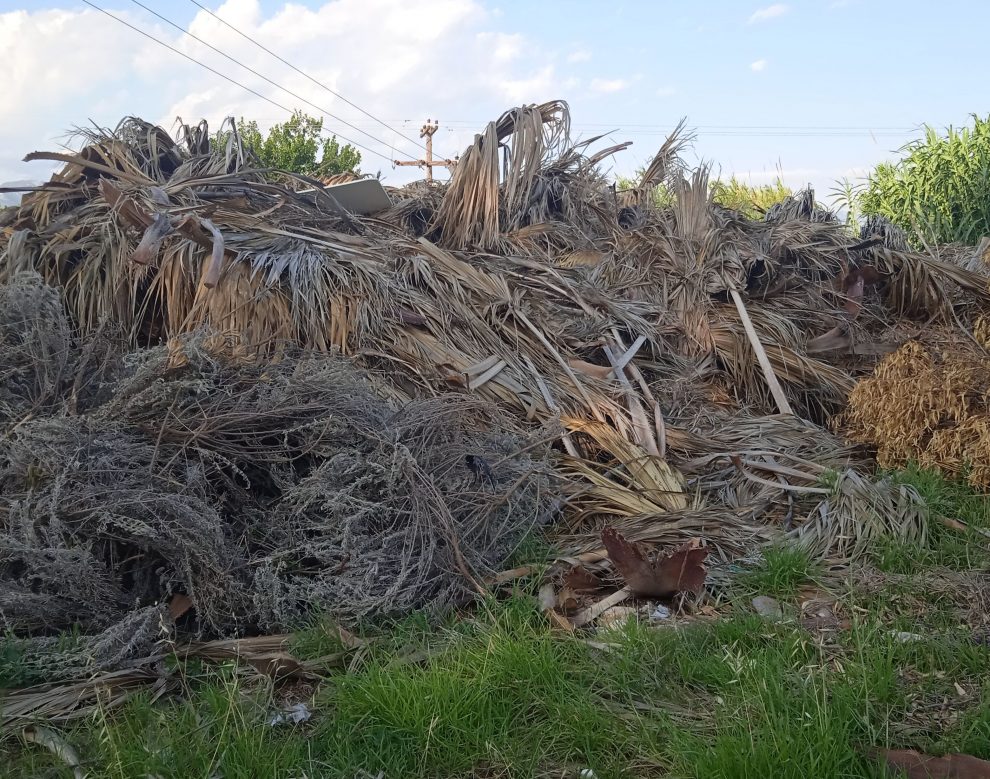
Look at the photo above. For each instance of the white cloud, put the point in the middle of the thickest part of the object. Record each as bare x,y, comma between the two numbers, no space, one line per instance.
580,55
507,47
758,66
665,92
770,12
64,68
522,90
604,86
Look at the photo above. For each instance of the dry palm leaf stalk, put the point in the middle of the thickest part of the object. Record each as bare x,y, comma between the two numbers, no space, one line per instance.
191,302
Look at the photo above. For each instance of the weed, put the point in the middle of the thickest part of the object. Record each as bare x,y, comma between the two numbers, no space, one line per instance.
780,572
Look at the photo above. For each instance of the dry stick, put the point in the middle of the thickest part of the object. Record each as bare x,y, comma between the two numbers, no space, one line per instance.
595,610
526,570
627,357
775,389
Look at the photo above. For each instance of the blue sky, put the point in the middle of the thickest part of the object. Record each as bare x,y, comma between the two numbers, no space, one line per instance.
816,89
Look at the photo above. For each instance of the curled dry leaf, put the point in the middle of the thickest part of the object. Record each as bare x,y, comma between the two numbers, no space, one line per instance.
179,605
854,285
916,765
578,583
681,570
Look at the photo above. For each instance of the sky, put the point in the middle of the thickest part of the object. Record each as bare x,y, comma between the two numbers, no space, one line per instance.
812,91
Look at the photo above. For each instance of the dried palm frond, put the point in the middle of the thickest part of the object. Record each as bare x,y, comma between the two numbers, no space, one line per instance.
635,481
890,235
57,703
665,170
801,205
484,197
860,514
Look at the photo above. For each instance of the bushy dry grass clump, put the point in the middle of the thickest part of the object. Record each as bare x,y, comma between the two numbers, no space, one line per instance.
929,405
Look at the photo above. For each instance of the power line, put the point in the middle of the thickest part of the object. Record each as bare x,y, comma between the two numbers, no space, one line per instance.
303,73
261,76
618,128
768,134
218,73
661,126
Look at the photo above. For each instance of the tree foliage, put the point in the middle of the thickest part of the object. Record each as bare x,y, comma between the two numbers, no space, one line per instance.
297,145
939,192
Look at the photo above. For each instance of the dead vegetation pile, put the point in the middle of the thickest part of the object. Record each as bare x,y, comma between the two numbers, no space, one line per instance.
686,361
256,490
928,403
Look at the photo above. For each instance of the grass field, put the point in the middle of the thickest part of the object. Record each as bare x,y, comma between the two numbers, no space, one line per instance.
900,660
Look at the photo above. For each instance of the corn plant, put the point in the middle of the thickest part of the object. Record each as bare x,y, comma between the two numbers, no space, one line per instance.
750,200
847,196
940,191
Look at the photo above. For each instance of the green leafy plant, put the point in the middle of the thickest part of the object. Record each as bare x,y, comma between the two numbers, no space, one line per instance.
297,145
940,191
749,200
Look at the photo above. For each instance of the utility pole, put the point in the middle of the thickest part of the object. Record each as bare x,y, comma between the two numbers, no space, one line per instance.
426,131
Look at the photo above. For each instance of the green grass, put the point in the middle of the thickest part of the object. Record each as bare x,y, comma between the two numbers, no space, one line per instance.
503,694
780,572
498,692
946,547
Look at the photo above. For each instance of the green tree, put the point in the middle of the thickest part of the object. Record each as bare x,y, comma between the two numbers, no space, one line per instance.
750,201
939,192
297,145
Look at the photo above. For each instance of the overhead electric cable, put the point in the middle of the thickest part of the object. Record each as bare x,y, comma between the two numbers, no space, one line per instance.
306,75
222,75
323,111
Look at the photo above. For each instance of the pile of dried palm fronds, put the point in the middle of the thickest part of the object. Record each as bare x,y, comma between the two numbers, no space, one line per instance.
688,361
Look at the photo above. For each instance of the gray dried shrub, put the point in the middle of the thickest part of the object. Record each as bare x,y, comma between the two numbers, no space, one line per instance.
36,354
261,491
